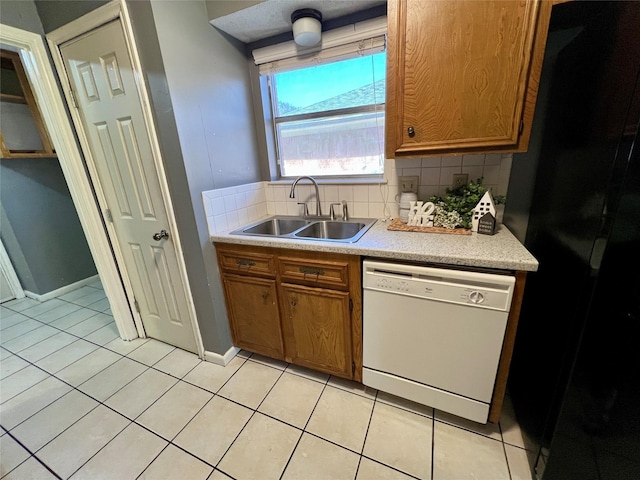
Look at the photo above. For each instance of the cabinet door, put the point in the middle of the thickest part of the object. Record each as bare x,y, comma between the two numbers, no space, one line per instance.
252,304
317,328
457,75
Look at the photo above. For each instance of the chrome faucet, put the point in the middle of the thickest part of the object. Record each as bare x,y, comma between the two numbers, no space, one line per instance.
292,194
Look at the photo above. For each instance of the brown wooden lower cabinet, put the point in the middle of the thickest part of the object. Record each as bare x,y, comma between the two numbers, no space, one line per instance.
317,328
303,307
252,304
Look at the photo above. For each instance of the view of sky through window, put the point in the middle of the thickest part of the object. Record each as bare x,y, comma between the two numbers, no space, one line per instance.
329,141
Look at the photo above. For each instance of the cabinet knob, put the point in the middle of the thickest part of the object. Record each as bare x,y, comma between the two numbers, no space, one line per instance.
293,303
411,131
265,295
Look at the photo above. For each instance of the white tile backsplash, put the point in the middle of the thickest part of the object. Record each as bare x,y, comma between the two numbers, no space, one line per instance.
233,207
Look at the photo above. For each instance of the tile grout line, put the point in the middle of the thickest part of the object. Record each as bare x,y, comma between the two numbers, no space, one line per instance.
32,455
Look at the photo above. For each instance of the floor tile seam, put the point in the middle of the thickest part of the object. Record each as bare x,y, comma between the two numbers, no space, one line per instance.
154,363
153,403
506,459
73,387
154,459
101,448
25,333
194,416
348,391
17,323
366,432
221,386
433,443
81,296
172,375
305,377
60,330
53,320
293,451
406,409
304,429
71,425
470,431
5,400
55,351
13,373
31,455
267,365
123,386
392,467
269,391
234,440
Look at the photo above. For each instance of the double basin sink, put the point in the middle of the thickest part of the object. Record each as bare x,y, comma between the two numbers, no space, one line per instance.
309,228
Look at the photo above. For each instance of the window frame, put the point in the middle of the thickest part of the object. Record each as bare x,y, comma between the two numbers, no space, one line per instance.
367,37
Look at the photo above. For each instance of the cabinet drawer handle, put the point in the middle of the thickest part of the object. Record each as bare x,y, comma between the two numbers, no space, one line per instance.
265,295
411,131
312,271
243,262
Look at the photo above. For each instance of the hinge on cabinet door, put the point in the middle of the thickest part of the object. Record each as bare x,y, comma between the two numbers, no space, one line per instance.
135,304
350,305
521,129
73,97
107,213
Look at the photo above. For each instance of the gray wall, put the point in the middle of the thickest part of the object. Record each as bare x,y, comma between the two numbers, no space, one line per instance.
46,231
56,13
21,14
213,112
202,272
40,226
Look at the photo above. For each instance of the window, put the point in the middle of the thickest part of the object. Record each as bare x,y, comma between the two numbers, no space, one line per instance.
328,108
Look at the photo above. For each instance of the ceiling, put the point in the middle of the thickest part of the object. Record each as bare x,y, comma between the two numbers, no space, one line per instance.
273,17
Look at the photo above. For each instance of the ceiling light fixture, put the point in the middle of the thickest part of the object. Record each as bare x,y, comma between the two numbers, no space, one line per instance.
307,26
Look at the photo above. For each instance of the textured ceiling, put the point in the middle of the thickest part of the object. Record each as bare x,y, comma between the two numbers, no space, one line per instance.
273,17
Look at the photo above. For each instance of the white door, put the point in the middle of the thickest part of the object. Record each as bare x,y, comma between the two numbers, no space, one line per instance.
103,81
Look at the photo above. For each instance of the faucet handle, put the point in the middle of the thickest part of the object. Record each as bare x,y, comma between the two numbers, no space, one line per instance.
305,208
345,211
332,213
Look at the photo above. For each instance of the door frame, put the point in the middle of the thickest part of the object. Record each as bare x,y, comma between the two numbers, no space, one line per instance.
10,273
118,11
35,60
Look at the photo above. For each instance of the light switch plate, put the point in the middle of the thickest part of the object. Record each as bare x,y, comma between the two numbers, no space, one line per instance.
409,183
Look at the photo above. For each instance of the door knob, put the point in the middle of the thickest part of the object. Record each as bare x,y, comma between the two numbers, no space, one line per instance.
160,235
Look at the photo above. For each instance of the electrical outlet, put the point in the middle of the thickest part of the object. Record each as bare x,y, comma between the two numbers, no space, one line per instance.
460,179
409,184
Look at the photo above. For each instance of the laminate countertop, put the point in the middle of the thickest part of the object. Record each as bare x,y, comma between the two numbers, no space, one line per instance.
500,251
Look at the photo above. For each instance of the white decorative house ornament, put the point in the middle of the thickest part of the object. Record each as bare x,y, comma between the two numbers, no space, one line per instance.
484,206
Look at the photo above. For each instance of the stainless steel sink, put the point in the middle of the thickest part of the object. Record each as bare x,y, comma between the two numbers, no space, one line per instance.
309,228
276,226
332,230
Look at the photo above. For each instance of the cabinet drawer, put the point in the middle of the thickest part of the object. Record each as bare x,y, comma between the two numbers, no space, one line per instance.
247,263
314,273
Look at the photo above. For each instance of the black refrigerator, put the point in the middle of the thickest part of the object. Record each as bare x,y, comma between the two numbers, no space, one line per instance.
574,202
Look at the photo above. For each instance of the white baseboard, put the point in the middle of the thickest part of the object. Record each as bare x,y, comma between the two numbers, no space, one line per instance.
60,291
221,359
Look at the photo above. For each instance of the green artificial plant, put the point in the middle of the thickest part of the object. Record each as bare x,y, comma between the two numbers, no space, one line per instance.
461,200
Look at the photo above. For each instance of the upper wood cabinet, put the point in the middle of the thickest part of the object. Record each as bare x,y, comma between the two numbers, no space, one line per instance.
462,76
22,131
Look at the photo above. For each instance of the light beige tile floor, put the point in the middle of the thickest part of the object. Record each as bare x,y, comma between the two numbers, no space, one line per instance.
78,402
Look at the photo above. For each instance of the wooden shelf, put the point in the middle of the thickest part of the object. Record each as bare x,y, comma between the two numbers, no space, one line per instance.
11,61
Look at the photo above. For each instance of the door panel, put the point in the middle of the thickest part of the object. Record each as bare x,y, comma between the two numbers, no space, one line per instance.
104,83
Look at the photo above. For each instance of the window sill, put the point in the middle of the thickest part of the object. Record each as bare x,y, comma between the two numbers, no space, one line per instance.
370,180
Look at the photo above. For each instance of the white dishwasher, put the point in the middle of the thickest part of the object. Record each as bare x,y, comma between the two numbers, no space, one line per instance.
434,335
